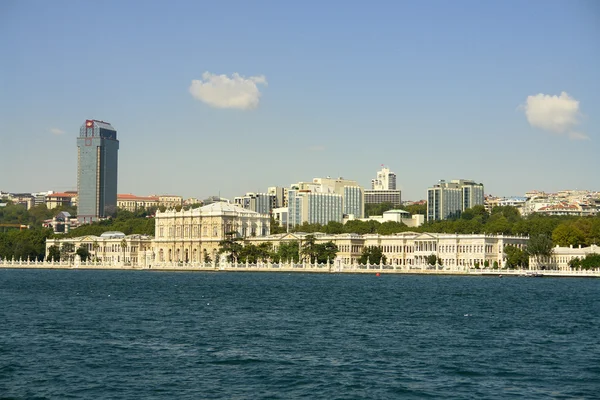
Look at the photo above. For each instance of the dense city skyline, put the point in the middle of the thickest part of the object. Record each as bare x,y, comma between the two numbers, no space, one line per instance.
219,99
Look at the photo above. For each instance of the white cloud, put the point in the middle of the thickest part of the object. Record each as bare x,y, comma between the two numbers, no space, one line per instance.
558,114
57,131
222,91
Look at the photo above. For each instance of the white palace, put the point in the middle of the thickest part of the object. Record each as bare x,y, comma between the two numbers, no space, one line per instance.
192,235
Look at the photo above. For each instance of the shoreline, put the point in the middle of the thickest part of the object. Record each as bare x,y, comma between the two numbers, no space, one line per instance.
376,270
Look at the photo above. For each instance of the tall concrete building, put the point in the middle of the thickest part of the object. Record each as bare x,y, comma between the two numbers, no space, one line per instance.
262,203
383,189
97,159
385,180
324,200
450,199
314,207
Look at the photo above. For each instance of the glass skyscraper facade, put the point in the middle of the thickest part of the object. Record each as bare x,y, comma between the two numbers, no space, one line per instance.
97,161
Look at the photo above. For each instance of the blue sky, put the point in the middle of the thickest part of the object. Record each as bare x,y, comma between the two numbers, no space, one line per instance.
503,92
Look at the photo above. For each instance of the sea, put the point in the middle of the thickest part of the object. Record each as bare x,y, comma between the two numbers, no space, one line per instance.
110,334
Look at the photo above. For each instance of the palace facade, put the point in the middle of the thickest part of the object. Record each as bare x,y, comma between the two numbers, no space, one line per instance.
411,249
193,235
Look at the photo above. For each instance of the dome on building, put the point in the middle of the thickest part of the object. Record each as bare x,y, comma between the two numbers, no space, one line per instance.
112,235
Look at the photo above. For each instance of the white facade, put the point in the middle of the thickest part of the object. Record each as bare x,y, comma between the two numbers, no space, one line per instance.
190,236
561,256
398,216
411,249
114,248
385,180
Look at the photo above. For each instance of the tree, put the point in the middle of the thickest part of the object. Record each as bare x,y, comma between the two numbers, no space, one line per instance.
275,227
288,251
432,259
373,255
575,263
498,224
326,252
416,209
95,247
53,253
476,212
515,257
591,261
333,228
309,250
206,257
391,227
66,251
83,253
377,208
567,234
231,246
361,227
540,247
123,247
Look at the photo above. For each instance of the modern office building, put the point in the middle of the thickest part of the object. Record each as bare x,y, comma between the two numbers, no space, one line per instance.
262,203
450,199
324,200
385,180
280,194
97,159
383,196
383,189
314,207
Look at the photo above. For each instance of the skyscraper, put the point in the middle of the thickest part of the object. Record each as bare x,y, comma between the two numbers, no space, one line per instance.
97,159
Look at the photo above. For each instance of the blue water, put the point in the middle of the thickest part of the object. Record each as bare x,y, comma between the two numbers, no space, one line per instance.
80,334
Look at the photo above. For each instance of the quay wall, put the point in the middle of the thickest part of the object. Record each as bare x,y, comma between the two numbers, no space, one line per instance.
295,267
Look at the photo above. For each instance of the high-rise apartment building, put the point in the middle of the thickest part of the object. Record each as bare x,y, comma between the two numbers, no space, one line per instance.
450,199
97,160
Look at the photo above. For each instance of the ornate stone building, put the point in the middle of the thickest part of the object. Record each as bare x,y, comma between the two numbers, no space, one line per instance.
112,247
411,249
189,236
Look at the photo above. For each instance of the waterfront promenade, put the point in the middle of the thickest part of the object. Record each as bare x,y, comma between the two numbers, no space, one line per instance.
289,267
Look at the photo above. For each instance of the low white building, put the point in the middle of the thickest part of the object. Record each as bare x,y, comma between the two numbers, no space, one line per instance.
412,249
112,247
401,216
561,256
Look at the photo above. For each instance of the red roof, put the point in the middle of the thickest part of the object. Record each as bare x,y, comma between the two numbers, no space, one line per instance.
129,196
62,195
